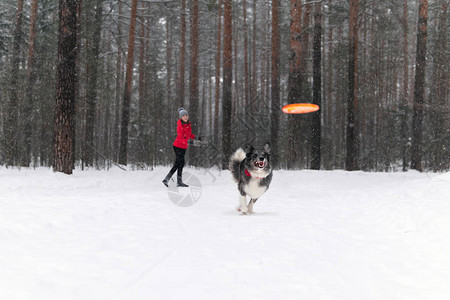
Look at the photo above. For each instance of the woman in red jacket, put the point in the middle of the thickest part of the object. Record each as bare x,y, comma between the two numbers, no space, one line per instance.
184,133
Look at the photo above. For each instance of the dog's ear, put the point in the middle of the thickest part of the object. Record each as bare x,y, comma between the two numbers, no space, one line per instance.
249,149
267,147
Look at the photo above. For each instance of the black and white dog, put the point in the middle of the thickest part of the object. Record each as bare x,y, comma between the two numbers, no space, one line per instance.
252,171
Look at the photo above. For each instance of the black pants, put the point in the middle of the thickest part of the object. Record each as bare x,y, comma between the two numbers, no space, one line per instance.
179,162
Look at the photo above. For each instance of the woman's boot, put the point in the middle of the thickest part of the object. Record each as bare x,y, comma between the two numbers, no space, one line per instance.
180,182
166,180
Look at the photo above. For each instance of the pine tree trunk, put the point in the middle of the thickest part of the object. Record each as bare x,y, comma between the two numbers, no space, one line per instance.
236,102
28,111
246,69
294,82
12,120
118,92
217,73
91,109
142,143
227,83
254,91
405,94
66,88
317,89
329,106
194,100
181,83
275,90
168,60
439,93
303,129
194,74
123,152
352,99
417,130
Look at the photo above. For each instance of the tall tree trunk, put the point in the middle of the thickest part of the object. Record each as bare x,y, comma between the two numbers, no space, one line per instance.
119,78
217,73
194,76
181,83
142,149
236,103
194,80
304,126
439,93
417,146
405,94
246,70
352,100
78,72
329,107
317,88
254,92
275,91
123,152
172,105
294,82
227,83
109,94
66,87
29,105
169,59
11,128
91,109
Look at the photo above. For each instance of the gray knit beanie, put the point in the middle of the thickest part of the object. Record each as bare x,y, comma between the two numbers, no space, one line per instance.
182,112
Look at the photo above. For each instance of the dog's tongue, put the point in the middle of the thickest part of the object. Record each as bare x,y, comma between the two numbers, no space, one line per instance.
259,164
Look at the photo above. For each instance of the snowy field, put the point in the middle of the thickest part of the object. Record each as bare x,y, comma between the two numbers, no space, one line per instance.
314,235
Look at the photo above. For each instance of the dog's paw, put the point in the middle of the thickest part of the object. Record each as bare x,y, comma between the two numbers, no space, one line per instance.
244,210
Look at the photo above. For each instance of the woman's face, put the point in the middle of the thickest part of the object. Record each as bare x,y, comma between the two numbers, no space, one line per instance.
185,118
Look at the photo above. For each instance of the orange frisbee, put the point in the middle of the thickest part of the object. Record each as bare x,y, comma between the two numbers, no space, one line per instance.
300,108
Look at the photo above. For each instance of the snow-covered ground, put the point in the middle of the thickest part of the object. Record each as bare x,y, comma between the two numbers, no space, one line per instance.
314,235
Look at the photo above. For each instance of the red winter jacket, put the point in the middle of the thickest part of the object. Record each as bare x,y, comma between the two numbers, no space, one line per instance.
184,133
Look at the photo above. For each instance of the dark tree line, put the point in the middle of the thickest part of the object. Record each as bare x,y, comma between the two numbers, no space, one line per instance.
96,83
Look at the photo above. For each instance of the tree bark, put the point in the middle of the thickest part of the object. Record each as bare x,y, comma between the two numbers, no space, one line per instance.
294,82
123,152
217,73
142,143
405,93
352,99
64,137
440,154
253,91
91,109
317,89
421,48
246,70
275,80
181,83
119,79
227,84
194,75
31,76
12,124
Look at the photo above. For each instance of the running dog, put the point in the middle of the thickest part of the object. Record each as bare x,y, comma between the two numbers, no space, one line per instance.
252,172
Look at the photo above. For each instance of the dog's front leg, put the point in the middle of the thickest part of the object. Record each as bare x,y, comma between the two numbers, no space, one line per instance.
250,205
243,204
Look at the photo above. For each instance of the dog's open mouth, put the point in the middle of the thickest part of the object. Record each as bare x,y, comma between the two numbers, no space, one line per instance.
260,164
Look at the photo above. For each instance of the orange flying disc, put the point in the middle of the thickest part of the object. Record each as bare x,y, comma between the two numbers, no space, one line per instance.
300,108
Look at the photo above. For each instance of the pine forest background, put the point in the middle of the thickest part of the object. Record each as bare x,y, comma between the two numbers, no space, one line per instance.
380,71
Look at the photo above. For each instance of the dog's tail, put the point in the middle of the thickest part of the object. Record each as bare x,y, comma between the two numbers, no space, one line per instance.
235,162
